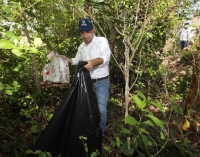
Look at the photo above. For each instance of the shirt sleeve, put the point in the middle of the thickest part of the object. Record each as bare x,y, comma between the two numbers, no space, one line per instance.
77,58
105,51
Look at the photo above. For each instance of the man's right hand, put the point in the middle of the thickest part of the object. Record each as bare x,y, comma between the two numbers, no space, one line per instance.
64,57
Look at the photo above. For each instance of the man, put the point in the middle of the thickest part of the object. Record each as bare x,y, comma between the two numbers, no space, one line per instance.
183,35
96,51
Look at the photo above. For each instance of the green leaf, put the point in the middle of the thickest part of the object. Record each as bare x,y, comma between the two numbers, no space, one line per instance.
144,131
28,152
38,151
118,141
157,105
138,102
9,34
15,84
15,90
162,136
9,92
43,154
6,9
6,44
33,50
107,149
94,154
28,97
14,38
17,68
144,140
149,123
9,87
49,154
129,152
34,129
150,143
17,51
82,137
86,147
49,116
141,95
125,131
22,56
28,115
130,120
157,121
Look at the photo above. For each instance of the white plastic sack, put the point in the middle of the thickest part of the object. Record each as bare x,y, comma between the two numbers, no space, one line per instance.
57,70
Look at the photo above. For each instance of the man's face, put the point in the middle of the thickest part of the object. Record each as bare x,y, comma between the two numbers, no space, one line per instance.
87,36
186,26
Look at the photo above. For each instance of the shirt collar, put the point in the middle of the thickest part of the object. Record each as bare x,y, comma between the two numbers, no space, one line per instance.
93,40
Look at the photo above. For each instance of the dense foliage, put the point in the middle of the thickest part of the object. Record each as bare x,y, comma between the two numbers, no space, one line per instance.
146,102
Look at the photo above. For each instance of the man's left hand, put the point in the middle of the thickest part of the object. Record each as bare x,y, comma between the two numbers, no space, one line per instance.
89,65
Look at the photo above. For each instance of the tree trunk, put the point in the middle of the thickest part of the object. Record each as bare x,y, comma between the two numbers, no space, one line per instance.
36,78
112,37
126,74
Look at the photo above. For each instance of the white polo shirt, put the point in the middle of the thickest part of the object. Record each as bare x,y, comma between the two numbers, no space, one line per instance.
97,48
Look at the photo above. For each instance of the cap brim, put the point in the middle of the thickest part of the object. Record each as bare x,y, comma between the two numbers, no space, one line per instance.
84,29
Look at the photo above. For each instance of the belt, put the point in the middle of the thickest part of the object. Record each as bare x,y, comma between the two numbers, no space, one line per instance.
98,79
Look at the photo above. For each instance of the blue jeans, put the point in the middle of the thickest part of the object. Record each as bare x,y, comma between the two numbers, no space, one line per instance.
102,88
183,44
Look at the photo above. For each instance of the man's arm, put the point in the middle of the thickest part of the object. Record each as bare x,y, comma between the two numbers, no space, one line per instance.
93,62
193,29
179,33
89,65
69,60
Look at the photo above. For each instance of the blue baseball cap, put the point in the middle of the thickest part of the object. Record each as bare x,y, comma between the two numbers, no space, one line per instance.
85,25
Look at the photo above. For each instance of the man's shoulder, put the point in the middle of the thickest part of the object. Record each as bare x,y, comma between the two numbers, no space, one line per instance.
81,46
101,39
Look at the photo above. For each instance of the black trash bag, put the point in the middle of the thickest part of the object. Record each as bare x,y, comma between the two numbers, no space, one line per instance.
78,115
